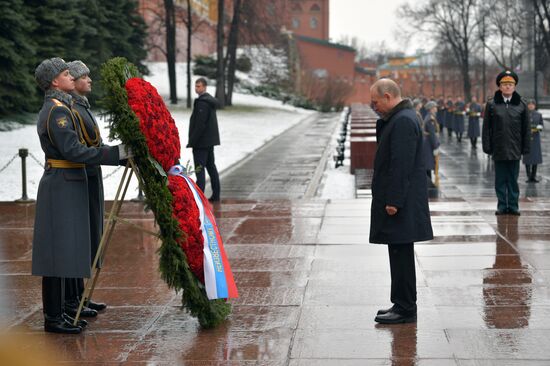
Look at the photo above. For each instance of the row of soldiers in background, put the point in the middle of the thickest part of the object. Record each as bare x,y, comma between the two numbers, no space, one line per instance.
437,116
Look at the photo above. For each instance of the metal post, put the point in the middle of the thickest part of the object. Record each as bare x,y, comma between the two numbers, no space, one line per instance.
140,197
23,153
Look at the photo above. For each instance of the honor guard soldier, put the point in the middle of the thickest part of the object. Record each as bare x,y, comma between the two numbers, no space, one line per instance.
430,147
458,122
474,112
506,135
441,113
61,241
74,287
449,118
534,157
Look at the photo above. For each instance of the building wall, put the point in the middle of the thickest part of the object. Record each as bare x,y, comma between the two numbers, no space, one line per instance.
308,18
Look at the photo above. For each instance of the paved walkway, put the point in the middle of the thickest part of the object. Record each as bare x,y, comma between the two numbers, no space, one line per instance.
310,285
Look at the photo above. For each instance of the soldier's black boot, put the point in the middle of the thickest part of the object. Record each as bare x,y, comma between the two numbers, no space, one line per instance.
98,306
528,171
58,324
534,174
81,322
71,309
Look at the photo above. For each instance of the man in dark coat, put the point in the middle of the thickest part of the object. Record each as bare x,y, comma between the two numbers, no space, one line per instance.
474,112
441,113
61,241
430,145
203,136
534,157
74,287
506,136
400,214
449,118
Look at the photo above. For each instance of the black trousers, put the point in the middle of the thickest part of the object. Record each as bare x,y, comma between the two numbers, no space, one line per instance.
204,158
53,296
403,277
74,287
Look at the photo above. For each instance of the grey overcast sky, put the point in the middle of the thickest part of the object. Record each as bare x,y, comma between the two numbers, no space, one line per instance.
372,21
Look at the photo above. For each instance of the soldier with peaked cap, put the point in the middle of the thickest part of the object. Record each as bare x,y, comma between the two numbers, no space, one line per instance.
474,112
61,241
534,157
74,287
506,135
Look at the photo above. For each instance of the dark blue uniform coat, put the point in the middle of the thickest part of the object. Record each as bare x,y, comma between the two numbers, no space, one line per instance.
431,141
458,123
535,153
400,180
473,120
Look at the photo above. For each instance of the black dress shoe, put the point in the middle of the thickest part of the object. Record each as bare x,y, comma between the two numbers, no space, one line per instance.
60,325
81,322
500,213
72,308
214,199
98,306
395,318
384,311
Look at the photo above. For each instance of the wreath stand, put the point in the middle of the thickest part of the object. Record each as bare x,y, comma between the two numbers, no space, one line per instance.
108,232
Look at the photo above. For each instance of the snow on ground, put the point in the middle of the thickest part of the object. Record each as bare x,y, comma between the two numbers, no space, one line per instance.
244,128
338,183
545,114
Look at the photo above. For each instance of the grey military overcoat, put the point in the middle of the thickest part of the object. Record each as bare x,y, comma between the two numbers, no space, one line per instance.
535,153
61,242
92,136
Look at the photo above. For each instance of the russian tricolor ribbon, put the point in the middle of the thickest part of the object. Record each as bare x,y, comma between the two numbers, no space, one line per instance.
218,278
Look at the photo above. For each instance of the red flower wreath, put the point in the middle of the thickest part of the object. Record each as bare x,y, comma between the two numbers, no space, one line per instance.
163,141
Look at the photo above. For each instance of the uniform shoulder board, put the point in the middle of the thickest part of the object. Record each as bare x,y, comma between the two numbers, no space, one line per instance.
57,102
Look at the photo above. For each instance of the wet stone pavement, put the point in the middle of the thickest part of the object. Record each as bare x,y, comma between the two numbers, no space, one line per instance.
310,283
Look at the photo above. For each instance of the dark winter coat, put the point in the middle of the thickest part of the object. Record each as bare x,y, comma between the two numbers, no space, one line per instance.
440,116
473,120
449,115
458,122
400,180
61,242
535,153
203,127
91,134
506,133
431,141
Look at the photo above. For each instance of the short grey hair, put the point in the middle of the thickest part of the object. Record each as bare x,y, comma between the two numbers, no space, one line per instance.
384,86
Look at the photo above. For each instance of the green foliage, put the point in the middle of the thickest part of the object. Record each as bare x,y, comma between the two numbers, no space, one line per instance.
89,30
205,66
17,87
244,64
173,265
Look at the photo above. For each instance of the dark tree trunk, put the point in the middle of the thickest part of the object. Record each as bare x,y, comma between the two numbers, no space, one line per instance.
189,33
171,47
232,44
220,79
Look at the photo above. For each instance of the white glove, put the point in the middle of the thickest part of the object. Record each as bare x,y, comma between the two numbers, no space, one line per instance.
539,127
124,152
436,152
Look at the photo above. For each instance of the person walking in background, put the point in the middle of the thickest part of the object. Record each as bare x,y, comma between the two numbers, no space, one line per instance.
506,135
534,158
417,104
430,146
474,112
74,287
203,136
458,122
400,214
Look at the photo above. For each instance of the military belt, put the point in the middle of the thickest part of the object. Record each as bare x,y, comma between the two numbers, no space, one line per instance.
64,164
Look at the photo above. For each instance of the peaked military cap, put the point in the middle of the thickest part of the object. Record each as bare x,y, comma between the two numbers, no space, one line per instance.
507,76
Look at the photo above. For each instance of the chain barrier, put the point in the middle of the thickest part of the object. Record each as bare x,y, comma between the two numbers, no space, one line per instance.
8,163
112,173
36,159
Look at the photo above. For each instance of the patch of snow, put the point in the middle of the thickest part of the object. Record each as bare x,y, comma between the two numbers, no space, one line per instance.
244,128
